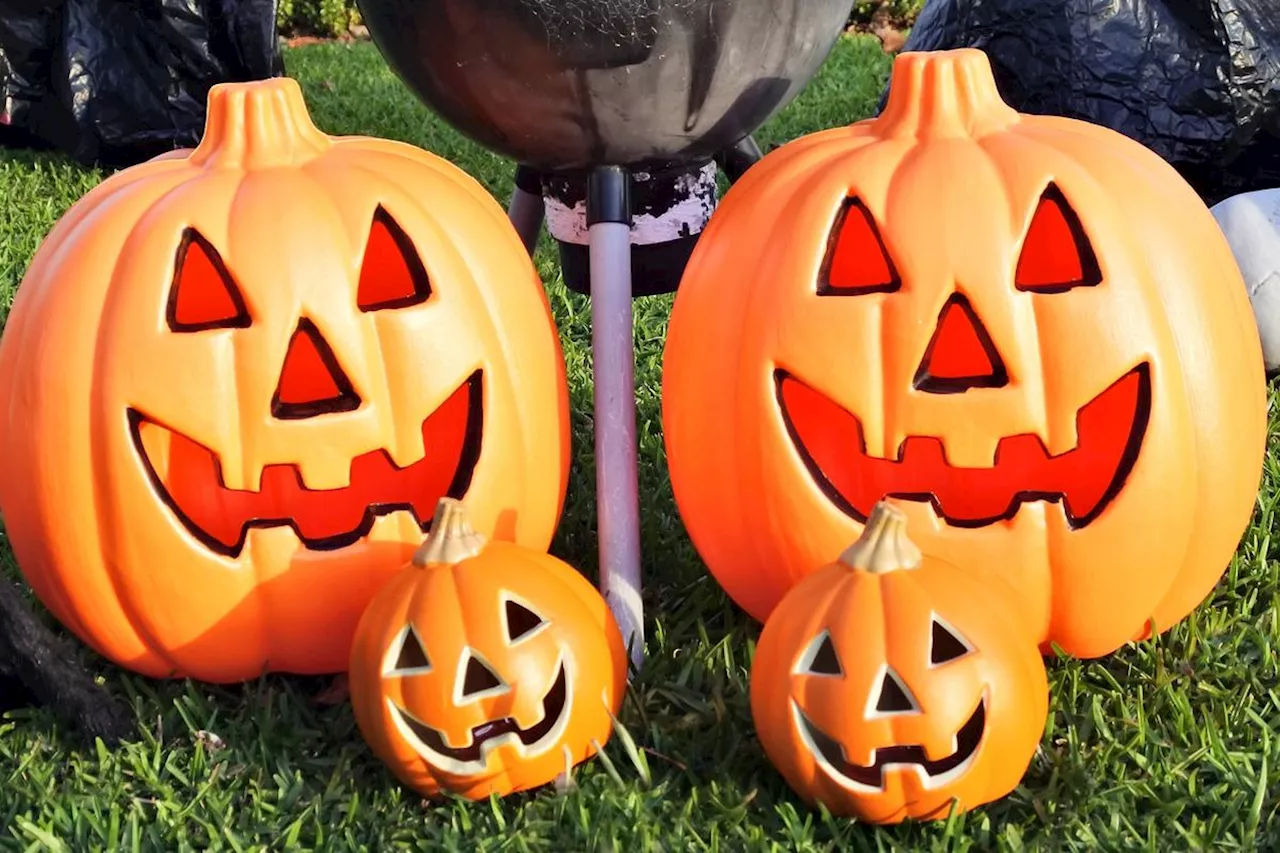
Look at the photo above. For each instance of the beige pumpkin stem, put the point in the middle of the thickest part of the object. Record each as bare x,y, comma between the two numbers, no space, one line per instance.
258,125
884,545
452,538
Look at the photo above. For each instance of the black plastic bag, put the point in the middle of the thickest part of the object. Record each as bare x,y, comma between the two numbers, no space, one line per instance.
118,81
1197,81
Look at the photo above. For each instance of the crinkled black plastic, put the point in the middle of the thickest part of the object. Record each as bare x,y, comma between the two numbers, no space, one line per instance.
1197,81
116,82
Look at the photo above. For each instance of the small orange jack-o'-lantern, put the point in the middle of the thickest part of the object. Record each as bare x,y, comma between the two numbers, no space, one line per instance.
1028,329
484,667
889,683
236,380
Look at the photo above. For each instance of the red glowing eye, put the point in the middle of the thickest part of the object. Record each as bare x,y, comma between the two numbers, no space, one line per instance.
203,294
857,261
1056,254
391,274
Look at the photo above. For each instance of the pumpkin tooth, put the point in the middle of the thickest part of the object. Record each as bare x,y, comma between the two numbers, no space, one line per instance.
975,447
937,750
398,526
549,709
156,441
407,445
271,544
323,472
1061,433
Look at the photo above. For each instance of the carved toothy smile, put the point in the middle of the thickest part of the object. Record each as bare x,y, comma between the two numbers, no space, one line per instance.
1110,430
187,476
870,777
468,760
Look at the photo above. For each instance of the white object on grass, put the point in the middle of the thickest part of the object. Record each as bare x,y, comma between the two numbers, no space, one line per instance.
1251,223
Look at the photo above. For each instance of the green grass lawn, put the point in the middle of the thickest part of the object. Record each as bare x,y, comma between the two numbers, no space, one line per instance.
1166,745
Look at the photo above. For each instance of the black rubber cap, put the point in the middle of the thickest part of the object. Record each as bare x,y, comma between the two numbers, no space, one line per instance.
609,195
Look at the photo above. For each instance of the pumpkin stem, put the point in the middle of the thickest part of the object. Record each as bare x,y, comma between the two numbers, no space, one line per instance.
883,545
257,125
452,538
949,93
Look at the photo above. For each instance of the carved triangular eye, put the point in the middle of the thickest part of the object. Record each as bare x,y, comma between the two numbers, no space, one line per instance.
391,273
407,654
857,260
946,644
521,621
203,294
1056,254
820,658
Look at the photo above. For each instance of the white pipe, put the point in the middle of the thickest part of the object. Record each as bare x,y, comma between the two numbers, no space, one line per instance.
618,504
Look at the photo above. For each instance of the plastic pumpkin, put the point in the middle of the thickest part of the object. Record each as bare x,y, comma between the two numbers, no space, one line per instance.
484,667
889,684
1027,329
236,380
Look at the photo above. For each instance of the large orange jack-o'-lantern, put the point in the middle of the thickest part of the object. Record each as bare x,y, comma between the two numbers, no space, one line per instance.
236,381
1028,329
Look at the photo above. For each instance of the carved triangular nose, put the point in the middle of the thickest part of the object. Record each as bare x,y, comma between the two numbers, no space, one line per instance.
961,354
311,380
894,698
478,678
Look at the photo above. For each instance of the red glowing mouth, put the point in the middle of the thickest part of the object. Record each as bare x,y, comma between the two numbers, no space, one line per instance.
1109,429
188,478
